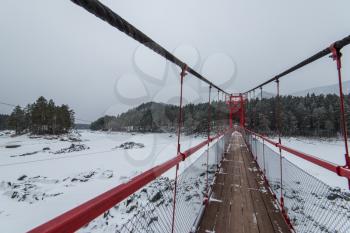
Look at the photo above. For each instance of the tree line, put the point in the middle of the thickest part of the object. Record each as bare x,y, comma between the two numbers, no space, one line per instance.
160,117
312,115
41,117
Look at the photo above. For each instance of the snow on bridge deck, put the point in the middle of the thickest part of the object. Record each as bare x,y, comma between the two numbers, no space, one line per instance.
241,201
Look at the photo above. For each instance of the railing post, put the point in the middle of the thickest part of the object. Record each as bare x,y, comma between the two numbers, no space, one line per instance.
256,148
263,149
249,104
182,75
254,112
278,122
231,112
336,55
209,120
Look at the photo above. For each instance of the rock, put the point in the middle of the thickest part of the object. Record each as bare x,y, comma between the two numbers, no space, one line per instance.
130,200
107,174
153,219
73,139
14,194
131,208
333,196
130,145
22,177
156,197
72,148
83,177
12,146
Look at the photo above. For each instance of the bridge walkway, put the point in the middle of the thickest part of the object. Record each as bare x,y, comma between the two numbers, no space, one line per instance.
241,201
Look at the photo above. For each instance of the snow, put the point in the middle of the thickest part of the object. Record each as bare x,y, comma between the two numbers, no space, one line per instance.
50,175
51,183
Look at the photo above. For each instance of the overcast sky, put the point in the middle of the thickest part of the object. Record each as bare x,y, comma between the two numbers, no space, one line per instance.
59,50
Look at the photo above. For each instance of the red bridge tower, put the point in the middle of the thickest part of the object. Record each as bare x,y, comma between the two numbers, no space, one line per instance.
236,106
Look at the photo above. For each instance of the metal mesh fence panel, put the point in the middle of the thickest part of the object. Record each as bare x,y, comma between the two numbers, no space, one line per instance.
272,169
311,205
190,192
191,188
147,210
268,161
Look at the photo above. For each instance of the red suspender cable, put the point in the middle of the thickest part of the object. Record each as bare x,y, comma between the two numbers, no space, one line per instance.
209,120
336,55
182,75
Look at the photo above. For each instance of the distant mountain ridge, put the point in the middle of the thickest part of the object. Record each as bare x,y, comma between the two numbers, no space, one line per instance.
329,89
321,90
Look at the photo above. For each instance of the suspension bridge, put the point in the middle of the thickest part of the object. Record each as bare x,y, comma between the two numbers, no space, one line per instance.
243,182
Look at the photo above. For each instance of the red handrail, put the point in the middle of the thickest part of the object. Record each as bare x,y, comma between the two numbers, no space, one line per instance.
76,218
340,170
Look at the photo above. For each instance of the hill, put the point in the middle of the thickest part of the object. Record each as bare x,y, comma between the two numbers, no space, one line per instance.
160,117
325,90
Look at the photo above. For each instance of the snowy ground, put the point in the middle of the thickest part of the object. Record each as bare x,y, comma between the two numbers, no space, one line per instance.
46,176
50,175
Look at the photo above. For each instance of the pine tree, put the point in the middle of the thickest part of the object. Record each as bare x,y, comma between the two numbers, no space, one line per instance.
17,120
42,117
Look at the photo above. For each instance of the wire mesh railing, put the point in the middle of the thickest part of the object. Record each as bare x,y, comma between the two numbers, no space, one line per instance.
310,204
150,209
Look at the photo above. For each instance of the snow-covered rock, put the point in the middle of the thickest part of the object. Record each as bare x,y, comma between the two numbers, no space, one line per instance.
130,145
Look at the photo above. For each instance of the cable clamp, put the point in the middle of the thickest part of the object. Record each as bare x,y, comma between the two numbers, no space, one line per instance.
336,55
183,156
183,71
338,169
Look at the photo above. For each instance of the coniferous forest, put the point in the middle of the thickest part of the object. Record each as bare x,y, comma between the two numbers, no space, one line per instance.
159,117
312,115
299,116
41,117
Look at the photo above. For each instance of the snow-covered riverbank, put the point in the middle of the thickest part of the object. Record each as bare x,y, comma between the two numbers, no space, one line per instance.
50,175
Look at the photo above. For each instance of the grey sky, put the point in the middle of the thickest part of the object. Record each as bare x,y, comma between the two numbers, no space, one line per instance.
58,50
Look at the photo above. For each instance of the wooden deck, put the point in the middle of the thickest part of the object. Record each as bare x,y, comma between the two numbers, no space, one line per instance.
241,201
